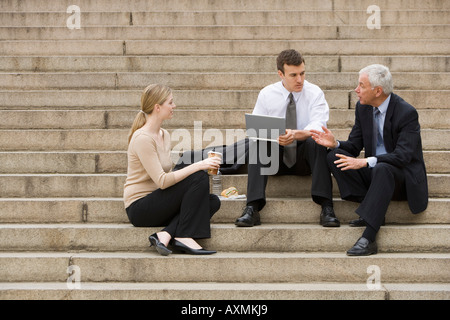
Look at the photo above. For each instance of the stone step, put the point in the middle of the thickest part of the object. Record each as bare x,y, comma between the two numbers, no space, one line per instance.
290,267
211,18
111,185
64,140
210,99
308,47
277,210
139,5
257,32
221,291
224,238
182,139
294,210
222,47
79,162
50,19
208,81
281,186
177,64
116,162
396,63
207,5
115,119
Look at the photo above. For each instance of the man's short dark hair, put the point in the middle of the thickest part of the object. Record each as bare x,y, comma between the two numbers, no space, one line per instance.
290,57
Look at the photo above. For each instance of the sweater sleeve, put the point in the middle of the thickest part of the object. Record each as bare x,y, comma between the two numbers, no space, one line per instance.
147,151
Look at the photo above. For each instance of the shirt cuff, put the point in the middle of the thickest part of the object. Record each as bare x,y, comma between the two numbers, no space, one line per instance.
372,161
338,145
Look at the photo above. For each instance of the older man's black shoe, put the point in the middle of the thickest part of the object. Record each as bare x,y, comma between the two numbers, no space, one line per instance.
363,247
249,218
328,218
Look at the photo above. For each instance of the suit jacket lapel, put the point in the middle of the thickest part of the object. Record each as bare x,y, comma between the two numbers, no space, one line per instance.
387,130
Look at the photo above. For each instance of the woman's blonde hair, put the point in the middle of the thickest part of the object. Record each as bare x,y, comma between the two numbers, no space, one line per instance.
152,95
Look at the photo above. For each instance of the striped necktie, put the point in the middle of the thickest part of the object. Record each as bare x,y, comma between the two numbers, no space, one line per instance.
378,138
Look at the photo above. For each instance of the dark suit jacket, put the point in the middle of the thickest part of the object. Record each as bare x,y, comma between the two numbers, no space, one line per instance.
403,144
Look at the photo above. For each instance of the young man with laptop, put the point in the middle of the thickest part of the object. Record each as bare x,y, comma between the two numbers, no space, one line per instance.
304,107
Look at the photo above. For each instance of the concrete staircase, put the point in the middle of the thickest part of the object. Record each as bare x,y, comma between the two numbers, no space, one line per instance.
67,100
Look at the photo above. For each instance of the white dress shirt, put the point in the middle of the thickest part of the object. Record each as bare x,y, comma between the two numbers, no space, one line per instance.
312,108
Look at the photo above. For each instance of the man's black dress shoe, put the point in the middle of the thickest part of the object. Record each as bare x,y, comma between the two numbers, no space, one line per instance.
250,217
184,248
360,222
160,247
328,218
363,247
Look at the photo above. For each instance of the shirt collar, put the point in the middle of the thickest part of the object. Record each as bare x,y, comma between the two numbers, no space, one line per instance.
384,106
286,93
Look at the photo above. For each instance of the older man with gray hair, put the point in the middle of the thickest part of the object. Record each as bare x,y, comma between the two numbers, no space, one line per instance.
388,129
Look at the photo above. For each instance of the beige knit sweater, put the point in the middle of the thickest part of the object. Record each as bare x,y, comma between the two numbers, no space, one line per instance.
149,166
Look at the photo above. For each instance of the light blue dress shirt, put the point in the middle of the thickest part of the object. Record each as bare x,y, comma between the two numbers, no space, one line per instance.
372,161
380,149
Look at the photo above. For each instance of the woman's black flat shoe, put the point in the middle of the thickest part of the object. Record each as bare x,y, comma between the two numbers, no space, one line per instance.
184,248
160,247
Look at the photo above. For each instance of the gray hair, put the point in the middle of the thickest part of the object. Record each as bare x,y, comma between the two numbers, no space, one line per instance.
379,76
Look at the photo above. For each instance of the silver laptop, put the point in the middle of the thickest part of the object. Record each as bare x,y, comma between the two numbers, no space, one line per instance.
264,127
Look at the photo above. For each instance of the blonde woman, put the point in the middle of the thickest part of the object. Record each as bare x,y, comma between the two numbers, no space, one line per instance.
156,196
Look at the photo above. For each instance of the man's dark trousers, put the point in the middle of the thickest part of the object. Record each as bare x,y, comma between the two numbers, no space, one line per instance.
311,160
374,187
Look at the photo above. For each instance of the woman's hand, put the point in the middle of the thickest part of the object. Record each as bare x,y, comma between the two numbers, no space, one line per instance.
210,163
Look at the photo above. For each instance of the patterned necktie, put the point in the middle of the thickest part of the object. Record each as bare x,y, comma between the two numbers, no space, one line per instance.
290,151
378,139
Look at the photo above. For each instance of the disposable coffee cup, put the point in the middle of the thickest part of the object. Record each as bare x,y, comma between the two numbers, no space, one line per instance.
212,154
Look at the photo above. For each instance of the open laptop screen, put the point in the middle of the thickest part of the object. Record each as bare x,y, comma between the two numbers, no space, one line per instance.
264,127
